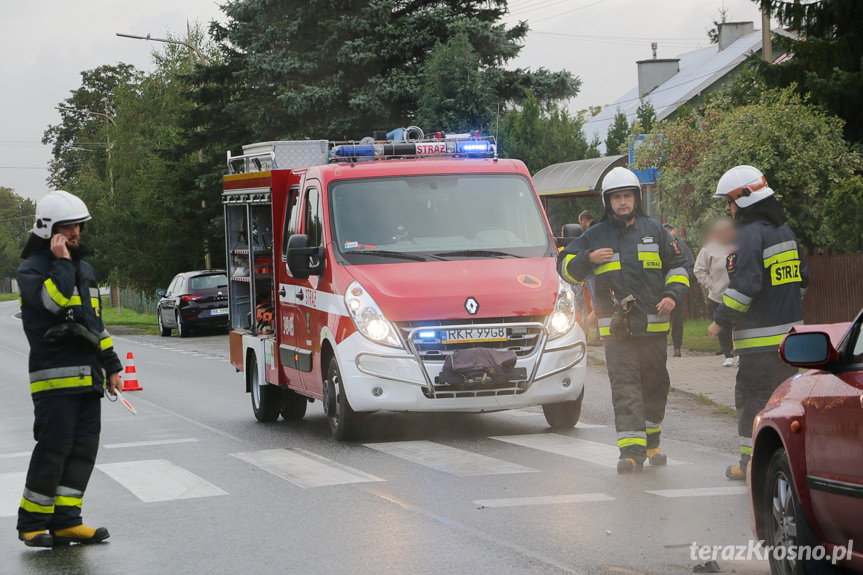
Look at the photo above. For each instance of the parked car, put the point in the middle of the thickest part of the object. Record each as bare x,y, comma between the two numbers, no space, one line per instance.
193,300
806,473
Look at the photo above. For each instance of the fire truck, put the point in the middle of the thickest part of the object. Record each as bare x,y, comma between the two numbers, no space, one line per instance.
356,269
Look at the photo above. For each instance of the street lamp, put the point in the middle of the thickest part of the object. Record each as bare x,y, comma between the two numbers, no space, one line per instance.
108,147
168,41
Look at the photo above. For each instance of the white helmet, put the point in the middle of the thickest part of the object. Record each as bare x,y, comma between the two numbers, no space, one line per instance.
58,207
743,184
620,179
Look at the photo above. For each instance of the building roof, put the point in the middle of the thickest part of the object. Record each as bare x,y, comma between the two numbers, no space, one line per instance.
581,177
699,70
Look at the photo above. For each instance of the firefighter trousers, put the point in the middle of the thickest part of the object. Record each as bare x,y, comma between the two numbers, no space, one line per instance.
66,430
639,391
758,377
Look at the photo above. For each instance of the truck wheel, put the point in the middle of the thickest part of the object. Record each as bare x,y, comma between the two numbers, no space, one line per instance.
163,331
563,415
182,330
294,405
784,522
344,421
266,398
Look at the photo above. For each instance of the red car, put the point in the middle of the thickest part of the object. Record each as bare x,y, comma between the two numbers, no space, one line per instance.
806,474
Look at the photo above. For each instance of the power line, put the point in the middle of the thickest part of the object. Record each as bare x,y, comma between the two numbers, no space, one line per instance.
570,11
24,168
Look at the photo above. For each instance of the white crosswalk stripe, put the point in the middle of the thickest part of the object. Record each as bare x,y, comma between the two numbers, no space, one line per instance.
591,451
11,488
303,468
159,480
150,443
544,500
701,491
448,459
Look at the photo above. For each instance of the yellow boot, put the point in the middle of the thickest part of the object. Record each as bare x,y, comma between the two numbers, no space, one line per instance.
735,472
80,534
656,457
36,538
629,465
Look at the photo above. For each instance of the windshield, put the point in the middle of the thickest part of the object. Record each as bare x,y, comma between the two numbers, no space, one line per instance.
416,218
208,282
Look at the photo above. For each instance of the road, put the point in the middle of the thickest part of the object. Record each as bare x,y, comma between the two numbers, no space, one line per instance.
193,484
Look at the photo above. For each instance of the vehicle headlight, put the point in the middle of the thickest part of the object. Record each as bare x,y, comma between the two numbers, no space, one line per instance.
368,317
562,317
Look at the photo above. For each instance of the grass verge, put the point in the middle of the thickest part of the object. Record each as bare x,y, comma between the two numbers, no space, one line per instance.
146,322
695,336
8,296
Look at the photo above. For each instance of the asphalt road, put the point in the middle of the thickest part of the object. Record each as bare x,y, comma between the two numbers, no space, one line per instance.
193,484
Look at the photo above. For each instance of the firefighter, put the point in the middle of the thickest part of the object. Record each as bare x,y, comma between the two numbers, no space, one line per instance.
640,276
70,356
763,299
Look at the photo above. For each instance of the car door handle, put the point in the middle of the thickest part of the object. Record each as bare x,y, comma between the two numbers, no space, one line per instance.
282,292
300,295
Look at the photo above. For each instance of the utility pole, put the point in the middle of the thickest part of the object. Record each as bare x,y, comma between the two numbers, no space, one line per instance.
766,37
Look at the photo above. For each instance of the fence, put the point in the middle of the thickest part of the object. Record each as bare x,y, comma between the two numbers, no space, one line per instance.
8,285
134,300
835,288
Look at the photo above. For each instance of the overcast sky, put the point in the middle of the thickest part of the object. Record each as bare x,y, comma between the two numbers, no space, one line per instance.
45,44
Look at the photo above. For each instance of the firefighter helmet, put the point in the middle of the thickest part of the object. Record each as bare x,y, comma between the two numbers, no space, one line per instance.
744,185
58,207
620,179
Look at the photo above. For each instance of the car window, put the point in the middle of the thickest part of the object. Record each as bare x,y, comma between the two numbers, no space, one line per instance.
172,288
291,217
181,285
314,225
212,281
858,348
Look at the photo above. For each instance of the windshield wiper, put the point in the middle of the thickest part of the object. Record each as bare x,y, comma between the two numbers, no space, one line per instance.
389,254
477,254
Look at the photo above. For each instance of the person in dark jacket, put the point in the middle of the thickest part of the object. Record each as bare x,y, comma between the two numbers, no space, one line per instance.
677,313
763,299
72,363
640,276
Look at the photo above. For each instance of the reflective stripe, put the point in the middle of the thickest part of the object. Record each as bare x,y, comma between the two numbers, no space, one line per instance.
657,323
630,441
604,326
764,331
677,275
770,341
58,298
56,372
60,383
68,501
34,508
63,491
745,450
650,260
734,304
652,427
612,265
781,257
776,249
38,498
739,297
648,248
566,262
106,343
94,293
746,441
49,303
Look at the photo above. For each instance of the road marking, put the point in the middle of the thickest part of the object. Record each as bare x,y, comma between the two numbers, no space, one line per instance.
159,480
527,413
591,451
448,459
701,491
148,443
16,454
303,468
544,500
11,488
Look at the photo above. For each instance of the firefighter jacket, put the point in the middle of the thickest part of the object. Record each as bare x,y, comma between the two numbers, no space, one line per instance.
647,264
767,281
57,291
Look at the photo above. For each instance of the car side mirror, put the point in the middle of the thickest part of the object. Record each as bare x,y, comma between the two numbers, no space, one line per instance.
160,292
808,349
299,256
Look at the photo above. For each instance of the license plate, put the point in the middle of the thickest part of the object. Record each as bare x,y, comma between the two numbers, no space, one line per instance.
219,311
475,335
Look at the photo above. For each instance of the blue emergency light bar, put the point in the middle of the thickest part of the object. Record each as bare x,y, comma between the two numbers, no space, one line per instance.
443,146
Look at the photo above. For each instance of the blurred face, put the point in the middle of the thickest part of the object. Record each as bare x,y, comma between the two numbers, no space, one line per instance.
673,232
72,233
622,204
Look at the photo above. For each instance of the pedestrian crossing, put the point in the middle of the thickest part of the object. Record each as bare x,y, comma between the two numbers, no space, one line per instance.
155,480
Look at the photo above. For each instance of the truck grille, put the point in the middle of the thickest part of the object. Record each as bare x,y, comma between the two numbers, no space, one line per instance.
519,338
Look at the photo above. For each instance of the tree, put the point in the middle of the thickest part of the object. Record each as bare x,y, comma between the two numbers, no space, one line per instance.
645,117
618,133
843,216
798,146
713,33
16,220
827,60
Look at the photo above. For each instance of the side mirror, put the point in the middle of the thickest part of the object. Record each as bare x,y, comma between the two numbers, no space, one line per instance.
160,292
808,349
300,257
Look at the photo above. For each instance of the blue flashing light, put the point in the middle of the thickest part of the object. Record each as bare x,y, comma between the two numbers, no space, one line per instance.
473,147
353,151
427,334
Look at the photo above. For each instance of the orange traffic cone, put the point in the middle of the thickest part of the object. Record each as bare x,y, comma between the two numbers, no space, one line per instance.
130,378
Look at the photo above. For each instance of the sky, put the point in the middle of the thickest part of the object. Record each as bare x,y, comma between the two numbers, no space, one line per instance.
45,44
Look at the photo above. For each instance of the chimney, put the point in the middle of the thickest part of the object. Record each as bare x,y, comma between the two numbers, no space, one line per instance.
652,73
729,32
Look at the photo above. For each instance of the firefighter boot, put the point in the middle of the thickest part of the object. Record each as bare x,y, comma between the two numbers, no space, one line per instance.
629,465
735,472
36,538
80,534
656,457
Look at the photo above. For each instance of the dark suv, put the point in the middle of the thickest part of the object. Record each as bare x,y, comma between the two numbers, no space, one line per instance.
194,299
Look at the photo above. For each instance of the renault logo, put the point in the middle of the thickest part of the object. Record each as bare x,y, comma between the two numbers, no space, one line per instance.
471,305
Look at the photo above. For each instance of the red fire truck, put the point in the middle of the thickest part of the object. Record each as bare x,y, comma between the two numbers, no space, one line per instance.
356,269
